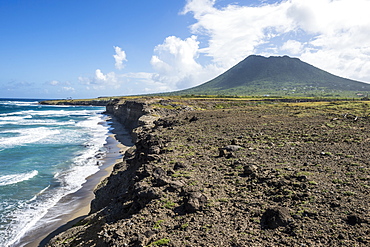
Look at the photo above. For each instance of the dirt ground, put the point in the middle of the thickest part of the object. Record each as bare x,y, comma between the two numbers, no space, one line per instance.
241,174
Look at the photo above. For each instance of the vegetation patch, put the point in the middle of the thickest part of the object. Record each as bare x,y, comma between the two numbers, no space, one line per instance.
161,242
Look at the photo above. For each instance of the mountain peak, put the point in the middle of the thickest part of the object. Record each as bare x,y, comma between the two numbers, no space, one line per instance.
284,57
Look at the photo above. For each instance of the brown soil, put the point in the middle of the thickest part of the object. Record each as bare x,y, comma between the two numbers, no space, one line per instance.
245,175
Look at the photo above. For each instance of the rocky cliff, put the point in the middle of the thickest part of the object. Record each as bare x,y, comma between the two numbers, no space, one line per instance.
136,115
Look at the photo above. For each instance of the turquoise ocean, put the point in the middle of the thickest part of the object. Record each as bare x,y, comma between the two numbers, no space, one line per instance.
46,154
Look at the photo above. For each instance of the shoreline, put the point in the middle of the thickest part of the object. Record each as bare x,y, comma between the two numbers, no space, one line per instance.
118,141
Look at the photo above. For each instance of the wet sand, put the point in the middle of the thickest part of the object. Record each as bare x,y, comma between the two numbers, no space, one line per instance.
118,142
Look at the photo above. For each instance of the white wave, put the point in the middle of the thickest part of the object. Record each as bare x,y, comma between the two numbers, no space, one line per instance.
14,118
44,117
46,122
16,178
42,123
71,136
19,103
52,113
26,136
40,193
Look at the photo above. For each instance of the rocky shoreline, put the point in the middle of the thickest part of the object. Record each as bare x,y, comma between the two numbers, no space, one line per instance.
215,173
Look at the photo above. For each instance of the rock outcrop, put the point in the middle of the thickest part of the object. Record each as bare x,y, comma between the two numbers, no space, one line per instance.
128,112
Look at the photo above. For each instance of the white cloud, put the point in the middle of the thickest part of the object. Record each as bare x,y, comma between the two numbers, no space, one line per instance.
102,81
54,83
292,46
68,89
119,57
235,32
341,31
329,16
175,60
176,65
100,76
60,85
199,7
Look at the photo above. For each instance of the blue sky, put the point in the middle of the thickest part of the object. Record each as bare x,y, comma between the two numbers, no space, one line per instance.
91,48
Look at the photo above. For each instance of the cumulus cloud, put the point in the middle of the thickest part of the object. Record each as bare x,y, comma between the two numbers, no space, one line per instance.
175,60
102,81
119,57
340,39
236,31
176,64
293,47
99,76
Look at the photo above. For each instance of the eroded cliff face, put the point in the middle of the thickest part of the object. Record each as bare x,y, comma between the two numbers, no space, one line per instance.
128,112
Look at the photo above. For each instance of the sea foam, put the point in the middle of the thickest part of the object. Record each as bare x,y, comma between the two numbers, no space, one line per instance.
16,178
26,136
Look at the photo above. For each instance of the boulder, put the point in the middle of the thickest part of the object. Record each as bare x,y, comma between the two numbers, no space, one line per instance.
193,119
194,202
147,195
250,170
232,148
160,177
228,150
274,217
354,219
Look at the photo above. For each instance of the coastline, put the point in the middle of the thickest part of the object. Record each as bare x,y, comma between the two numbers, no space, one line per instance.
118,141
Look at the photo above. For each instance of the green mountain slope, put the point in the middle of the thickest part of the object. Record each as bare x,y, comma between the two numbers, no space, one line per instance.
258,75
